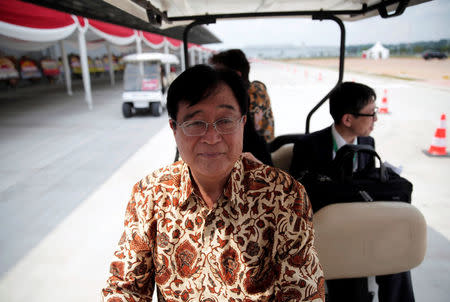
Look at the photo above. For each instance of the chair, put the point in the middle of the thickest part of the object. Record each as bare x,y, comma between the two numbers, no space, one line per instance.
361,239
281,149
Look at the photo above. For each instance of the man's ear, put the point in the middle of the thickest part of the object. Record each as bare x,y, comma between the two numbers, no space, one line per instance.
173,125
244,120
347,119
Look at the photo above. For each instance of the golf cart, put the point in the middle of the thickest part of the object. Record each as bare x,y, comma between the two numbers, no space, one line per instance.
145,84
346,248
352,239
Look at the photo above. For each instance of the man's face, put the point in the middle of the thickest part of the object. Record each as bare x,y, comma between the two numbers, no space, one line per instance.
363,125
211,155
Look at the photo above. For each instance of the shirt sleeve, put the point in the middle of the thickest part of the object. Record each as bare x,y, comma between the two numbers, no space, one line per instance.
132,271
301,276
260,102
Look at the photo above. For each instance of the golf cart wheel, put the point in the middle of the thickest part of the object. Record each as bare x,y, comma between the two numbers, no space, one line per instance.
156,109
127,109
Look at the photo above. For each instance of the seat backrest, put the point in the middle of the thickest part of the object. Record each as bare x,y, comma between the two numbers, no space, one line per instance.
281,149
369,238
282,157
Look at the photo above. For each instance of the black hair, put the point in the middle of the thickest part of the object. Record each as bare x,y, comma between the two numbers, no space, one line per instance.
198,82
234,59
349,97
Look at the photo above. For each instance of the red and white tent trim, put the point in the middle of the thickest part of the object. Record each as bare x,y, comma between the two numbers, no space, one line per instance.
26,26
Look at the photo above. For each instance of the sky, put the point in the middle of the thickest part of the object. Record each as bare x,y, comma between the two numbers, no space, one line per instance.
425,22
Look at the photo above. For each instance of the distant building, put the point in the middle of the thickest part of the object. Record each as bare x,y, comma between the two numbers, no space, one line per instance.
377,51
289,51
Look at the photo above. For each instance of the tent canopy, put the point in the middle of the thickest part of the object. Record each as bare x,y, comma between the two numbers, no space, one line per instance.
26,26
377,51
128,14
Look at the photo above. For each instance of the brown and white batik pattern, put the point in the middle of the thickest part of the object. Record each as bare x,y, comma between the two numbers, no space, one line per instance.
256,244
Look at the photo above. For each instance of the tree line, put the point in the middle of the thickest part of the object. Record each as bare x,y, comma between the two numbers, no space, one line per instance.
404,49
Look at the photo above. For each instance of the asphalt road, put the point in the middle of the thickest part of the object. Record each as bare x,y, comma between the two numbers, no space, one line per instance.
54,153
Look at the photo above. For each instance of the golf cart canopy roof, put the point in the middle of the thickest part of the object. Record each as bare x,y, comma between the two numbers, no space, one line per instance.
152,56
173,11
170,17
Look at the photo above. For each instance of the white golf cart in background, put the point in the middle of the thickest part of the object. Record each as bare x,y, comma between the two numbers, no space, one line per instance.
145,83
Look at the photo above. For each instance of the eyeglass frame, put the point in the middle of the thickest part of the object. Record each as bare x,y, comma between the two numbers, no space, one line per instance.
183,125
372,115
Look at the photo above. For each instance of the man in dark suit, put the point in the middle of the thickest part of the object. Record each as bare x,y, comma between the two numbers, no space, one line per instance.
352,106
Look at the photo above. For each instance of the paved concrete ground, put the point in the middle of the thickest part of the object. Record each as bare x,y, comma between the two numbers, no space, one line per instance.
67,172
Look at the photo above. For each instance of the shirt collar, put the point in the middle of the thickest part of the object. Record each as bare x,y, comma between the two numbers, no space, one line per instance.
185,185
231,190
339,139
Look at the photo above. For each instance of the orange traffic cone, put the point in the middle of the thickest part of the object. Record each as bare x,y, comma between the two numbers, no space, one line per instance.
384,105
438,144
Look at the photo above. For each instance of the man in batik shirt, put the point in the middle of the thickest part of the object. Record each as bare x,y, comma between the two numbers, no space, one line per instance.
215,226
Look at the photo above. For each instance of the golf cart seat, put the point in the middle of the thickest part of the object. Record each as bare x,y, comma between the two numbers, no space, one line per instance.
281,149
361,239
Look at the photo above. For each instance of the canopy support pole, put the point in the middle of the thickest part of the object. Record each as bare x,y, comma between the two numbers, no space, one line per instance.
85,68
321,17
200,21
203,20
111,65
67,73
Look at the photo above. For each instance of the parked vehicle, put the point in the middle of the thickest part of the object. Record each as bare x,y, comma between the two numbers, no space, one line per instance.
145,83
431,54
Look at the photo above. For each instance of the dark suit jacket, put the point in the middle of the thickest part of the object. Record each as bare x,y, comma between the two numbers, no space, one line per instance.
314,153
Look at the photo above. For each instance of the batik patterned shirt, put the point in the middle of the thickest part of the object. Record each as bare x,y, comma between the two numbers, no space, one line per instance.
261,110
255,244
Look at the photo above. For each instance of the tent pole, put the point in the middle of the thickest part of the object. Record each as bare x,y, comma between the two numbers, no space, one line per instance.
166,51
192,53
111,65
85,67
138,44
183,64
67,73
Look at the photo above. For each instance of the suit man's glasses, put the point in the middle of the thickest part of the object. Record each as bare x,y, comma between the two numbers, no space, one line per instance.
374,114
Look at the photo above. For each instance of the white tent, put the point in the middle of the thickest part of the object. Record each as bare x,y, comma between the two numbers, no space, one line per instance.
26,26
377,51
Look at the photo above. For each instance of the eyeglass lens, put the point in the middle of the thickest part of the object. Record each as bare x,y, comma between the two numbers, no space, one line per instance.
223,126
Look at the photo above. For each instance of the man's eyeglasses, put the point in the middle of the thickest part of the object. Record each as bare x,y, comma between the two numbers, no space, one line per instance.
374,114
198,128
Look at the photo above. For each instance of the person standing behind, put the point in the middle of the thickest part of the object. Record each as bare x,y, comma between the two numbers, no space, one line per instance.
259,106
352,106
254,142
215,226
